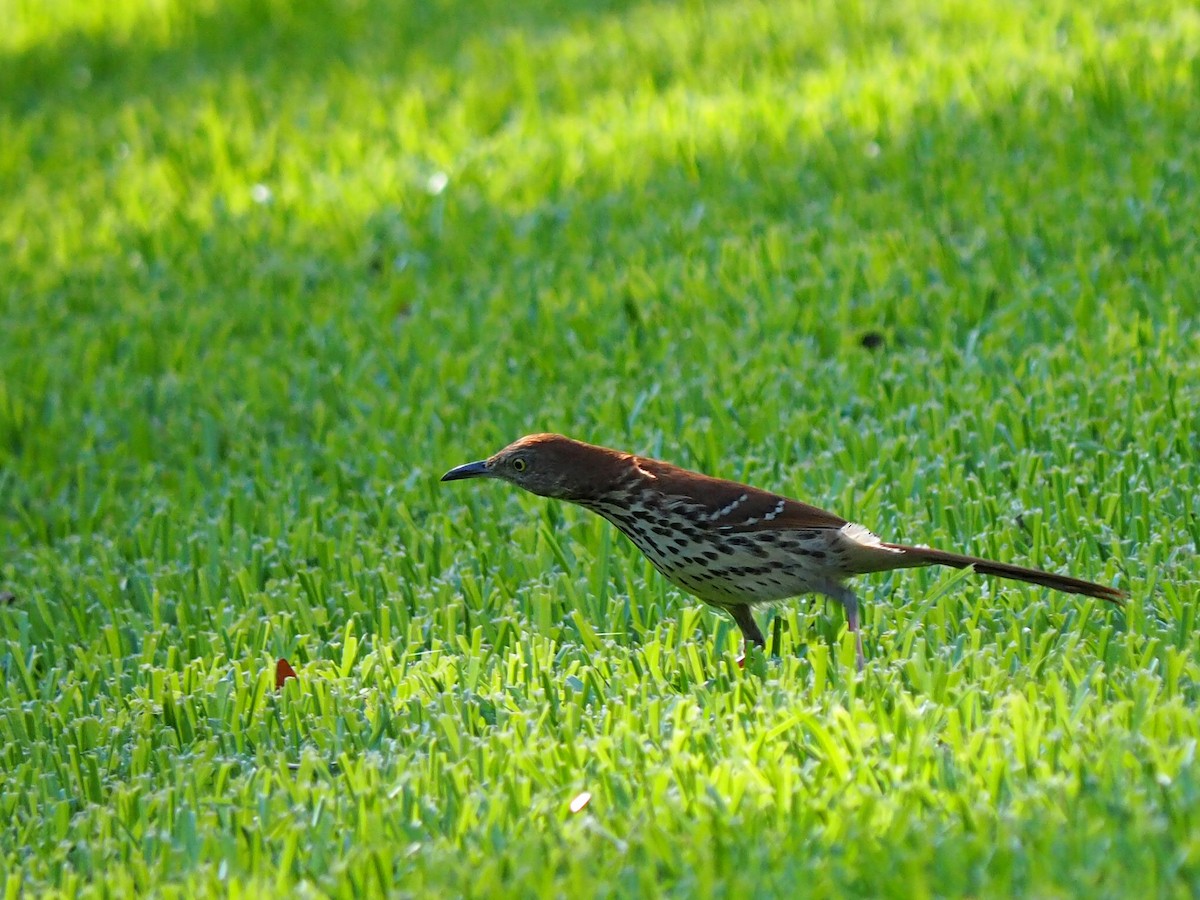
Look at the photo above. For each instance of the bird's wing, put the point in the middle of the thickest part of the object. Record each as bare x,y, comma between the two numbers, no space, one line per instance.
793,516
732,507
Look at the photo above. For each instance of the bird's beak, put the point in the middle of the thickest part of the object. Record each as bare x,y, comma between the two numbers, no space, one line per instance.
470,470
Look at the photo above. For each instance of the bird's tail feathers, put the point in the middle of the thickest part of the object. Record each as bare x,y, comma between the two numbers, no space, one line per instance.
927,556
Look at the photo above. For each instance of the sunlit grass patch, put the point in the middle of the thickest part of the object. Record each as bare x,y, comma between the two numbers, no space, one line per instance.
270,269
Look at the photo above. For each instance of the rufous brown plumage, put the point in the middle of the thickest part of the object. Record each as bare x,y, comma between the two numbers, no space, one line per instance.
731,545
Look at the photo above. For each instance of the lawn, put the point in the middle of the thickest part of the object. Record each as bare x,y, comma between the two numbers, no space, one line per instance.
268,269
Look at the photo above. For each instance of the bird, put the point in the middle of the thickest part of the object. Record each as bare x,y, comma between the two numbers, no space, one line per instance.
733,546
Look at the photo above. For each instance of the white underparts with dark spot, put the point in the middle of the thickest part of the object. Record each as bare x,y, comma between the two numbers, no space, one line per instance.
724,568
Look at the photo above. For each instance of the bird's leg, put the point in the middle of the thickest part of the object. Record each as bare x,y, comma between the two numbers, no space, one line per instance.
750,633
849,601
851,604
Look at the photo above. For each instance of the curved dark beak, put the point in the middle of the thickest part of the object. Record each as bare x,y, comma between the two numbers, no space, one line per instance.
470,470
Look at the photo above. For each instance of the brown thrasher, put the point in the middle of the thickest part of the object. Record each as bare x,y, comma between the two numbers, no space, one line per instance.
731,545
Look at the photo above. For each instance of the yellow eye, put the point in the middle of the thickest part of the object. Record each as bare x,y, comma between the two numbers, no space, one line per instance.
519,464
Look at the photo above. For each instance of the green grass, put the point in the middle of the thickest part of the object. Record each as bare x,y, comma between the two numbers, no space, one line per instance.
268,269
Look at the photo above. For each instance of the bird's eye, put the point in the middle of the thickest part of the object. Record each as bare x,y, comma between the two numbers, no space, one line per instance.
519,464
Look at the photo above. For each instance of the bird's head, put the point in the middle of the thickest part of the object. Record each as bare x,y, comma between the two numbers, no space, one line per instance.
549,465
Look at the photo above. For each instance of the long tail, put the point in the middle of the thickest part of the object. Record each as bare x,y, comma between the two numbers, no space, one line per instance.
930,557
